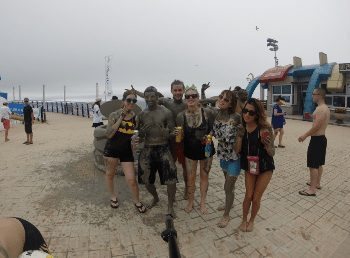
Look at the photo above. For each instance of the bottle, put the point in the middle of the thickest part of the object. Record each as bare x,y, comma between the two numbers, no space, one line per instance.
208,146
178,137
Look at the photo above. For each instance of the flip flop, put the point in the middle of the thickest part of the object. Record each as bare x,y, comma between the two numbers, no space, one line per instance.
281,146
319,187
140,207
114,204
303,192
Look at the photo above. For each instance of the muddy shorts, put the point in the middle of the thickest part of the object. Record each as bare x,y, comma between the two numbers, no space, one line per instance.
316,152
153,159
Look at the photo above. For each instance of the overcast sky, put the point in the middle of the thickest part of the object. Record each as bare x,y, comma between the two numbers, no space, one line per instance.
153,42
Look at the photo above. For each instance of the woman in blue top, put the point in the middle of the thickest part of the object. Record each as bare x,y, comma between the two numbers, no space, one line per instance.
278,120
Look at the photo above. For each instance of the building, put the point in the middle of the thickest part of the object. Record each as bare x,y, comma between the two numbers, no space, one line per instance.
296,83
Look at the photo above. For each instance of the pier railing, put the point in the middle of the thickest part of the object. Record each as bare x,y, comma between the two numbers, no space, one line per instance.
68,108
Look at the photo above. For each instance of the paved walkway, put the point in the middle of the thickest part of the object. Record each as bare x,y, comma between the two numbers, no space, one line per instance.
60,191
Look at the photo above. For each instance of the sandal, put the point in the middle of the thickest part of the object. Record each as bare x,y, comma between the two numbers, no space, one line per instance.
303,192
318,187
281,146
140,207
114,204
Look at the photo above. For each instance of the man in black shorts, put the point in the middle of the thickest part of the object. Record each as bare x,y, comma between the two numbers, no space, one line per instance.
316,153
17,236
155,125
28,121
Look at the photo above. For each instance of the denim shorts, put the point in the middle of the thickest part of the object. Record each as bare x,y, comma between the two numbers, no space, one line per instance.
232,167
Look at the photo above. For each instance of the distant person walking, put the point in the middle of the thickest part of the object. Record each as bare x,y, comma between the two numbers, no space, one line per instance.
5,114
316,152
96,116
28,121
278,120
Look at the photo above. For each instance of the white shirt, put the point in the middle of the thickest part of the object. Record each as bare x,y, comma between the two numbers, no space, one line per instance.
5,112
97,116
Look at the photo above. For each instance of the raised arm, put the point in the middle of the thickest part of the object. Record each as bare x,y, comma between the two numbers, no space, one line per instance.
114,122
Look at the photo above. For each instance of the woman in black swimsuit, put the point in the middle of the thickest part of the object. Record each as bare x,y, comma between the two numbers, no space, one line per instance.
197,123
257,153
120,128
17,236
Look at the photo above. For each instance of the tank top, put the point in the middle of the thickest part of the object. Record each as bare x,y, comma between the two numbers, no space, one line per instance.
122,138
193,139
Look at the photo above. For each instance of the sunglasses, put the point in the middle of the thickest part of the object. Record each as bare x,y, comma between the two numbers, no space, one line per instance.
225,99
131,100
192,96
250,112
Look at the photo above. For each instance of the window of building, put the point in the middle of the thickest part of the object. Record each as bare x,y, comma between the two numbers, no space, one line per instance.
348,101
339,101
329,100
285,91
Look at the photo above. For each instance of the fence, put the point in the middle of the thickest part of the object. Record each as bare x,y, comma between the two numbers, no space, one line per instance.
68,108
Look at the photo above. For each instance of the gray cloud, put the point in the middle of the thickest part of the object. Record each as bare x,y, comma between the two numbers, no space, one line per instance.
153,42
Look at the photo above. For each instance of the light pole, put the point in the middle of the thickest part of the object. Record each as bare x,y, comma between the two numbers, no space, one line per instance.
272,43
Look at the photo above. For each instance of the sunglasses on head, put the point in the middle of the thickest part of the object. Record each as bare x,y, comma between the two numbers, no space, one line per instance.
250,112
131,100
225,99
192,96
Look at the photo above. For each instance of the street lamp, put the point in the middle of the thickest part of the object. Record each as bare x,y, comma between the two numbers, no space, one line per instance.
272,43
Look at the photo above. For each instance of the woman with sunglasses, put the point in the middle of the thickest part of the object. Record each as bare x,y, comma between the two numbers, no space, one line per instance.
226,128
257,151
120,129
196,123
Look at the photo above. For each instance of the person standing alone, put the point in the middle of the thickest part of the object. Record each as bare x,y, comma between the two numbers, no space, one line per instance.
5,119
97,116
28,121
316,152
278,120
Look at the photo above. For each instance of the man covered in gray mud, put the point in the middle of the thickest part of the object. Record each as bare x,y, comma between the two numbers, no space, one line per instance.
175,105
155,125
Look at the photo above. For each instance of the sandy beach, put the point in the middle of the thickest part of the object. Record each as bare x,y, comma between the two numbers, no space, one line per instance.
54,184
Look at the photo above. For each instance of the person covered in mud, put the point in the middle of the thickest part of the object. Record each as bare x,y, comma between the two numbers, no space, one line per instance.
155,124
227,127
120,129
175,105
196,123
17,236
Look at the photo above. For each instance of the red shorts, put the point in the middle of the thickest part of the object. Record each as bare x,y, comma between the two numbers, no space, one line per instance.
6,123
177,151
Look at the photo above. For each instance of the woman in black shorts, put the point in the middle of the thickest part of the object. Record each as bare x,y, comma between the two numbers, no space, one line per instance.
120,128
17,236
197,123
257,153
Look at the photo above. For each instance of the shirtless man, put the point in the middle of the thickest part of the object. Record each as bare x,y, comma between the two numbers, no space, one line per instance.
17,236
316,153
155,125
175,105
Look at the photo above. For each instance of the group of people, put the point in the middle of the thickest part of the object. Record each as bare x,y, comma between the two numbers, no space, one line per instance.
28,120
181,129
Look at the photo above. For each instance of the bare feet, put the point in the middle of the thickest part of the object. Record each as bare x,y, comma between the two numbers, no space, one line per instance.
189,207
221,207
154,203
243,226
203,208
223,222
250,226
185,195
